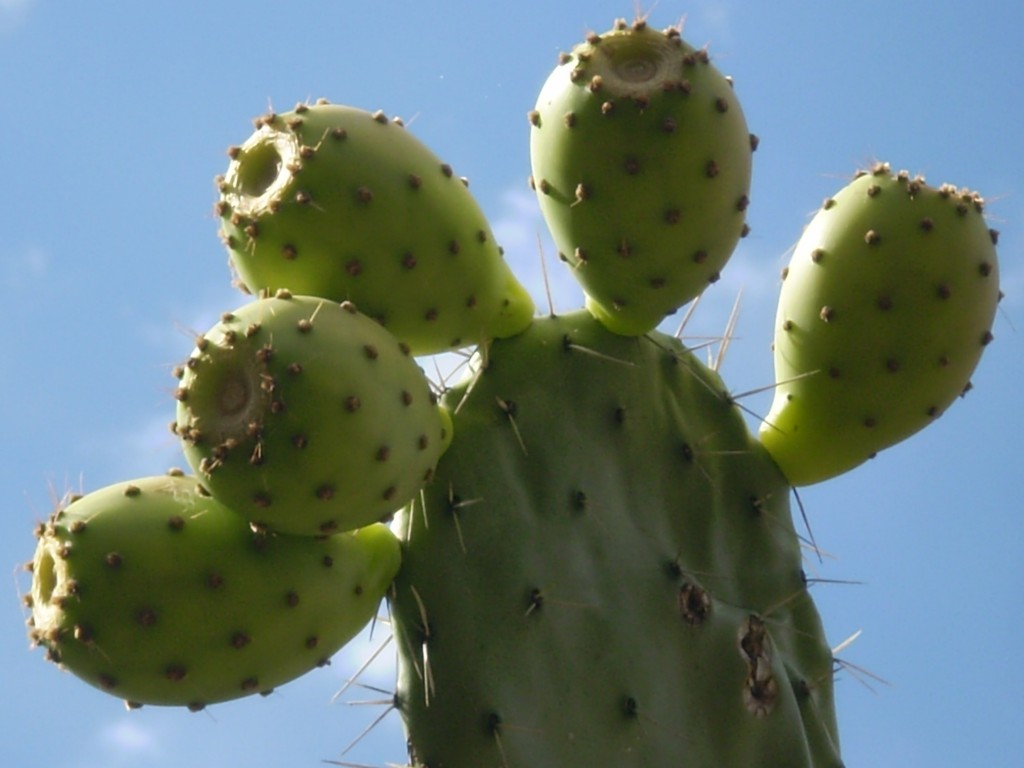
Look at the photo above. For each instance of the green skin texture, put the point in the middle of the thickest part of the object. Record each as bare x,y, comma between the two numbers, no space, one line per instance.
308,417
877,334
553,573
156,593
643,179
336,202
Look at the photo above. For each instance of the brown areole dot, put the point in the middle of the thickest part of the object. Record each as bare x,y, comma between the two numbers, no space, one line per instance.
239,640
107,682
250,683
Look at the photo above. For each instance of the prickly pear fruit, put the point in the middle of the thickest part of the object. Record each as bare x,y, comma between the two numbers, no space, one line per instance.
307,417
641,162
337,202
605,572
154,592
885,309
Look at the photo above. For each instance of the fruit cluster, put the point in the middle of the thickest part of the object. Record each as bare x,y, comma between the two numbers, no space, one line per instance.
588,558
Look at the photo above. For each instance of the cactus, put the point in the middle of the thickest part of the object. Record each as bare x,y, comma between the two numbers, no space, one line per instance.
337,202
628,547
887,304
599,564
155,592
297,443
641,161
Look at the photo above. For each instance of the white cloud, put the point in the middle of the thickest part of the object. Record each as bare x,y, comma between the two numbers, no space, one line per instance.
127,740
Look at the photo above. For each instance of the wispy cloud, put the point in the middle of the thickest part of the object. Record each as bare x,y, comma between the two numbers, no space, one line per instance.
127,740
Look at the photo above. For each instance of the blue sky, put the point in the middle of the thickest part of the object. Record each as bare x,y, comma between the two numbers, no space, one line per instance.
115,119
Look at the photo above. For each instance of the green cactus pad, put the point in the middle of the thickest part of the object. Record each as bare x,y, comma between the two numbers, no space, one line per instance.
156,593
308,417
605,572
885,309
336,202
641,161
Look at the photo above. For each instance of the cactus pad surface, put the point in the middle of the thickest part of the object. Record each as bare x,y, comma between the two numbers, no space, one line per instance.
606,575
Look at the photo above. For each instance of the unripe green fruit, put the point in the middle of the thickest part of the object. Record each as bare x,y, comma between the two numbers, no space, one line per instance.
154,592
308,417
641,161
885,310
336,202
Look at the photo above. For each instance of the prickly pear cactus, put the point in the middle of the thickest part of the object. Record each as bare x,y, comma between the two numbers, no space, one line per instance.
605,571
591,560
886,306
287,437
337,202
641,161
155,592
